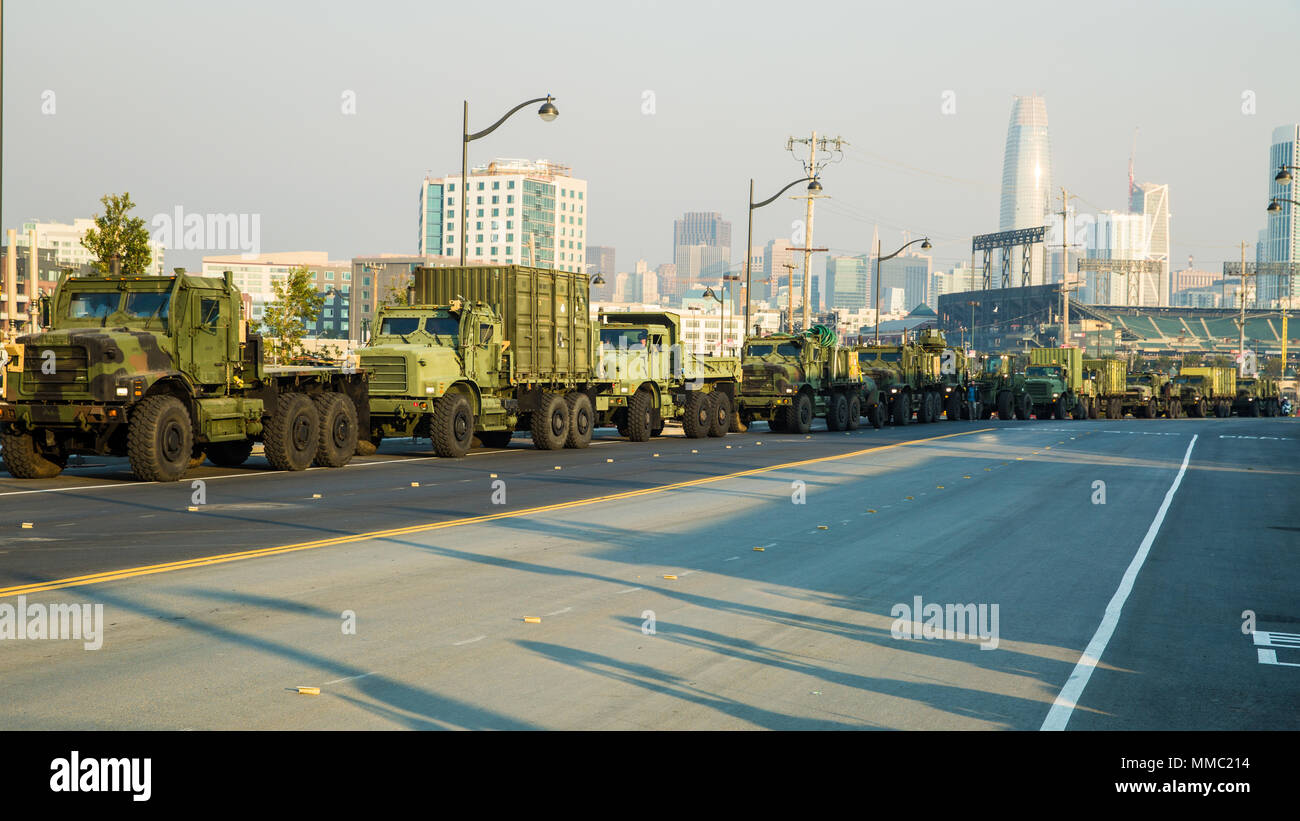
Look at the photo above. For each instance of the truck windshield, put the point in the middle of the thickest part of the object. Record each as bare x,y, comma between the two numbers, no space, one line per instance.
623,338
993,365
399,325
147,306
883,356
1042,370
782,349
442,326
1139,380
93,304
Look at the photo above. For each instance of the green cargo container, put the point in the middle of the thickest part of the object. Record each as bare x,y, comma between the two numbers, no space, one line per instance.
1112,375
1070,358
1222,382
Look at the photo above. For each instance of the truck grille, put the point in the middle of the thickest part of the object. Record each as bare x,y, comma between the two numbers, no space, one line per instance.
388,373
1039,392
68,366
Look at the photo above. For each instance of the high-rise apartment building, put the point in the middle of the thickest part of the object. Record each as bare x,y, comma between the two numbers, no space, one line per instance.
848,282
520,212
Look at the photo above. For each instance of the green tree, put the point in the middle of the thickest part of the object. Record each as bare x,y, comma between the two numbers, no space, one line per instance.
116,233
297,305
396,293
1191,360
1164,363
1273,367
1222,361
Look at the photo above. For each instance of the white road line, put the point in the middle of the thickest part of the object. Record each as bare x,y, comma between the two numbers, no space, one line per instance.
732,559
626,590
1068,698
467,641
558,612
349,678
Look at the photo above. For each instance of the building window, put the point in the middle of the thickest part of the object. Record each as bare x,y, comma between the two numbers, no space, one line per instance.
478,238
478,252
510,237
496,185
579,195
347,277
496,212
494,250
510,184
510,223
329,274
510,198
480,186
480,212
451,186
495,199
478,226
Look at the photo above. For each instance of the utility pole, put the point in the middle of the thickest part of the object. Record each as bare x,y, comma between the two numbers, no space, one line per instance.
789,316
1065,269
812,166
1241,323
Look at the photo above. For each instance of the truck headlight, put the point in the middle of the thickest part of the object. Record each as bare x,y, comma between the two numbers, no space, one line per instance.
1055,395
429,390
123,391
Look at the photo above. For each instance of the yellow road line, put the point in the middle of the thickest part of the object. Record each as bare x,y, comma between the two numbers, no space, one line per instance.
167,567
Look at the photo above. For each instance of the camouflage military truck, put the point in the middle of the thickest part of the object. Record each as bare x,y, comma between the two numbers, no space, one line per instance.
1001,390
1257,396
163,371
1148,394
1107,388
789,379
955,375
484,351
909,375
1205,390
1056,385
646,376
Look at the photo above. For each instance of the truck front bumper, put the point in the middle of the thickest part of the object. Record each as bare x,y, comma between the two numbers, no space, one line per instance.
51,415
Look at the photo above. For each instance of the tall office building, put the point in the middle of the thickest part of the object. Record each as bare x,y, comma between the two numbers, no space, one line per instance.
848,282
701,247
700,264
910,273
522,212
776,255
600,260
669,288
702,228
1152,202
1282,236
1026,166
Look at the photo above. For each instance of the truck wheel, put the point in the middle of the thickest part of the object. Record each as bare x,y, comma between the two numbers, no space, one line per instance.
550,423
1080,409
877,414
581,420
1024,407
1094,409
1004,405
367,447
1058,409
778,422
338,430
25,461
292,434
837,412
719,413
452,427
801,414
160,440
495,438
640,421
229,454
855,412
900,410
695,421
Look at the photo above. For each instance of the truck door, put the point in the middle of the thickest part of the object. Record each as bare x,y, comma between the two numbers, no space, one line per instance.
209,335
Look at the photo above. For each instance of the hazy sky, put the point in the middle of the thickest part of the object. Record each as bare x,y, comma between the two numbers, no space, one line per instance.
237,107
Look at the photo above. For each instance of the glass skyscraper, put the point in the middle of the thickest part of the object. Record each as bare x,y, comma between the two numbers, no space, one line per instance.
1026,166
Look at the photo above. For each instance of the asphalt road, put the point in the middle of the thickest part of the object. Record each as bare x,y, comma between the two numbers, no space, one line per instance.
655,609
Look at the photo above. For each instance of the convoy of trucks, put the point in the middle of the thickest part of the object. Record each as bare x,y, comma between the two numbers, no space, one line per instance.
165,372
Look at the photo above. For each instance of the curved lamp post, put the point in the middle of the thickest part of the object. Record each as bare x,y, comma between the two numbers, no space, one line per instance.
813,187
925,246
547,112
1274,205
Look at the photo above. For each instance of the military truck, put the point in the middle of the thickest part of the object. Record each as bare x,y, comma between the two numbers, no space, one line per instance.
1257,396
790,379
955,374
909,375
163,371
1203,390
1108,386
1001,390
646,376
1055,383
483,351
1149,394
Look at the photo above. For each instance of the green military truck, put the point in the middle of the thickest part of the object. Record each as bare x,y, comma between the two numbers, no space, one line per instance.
790,379
955,375
1055,382
1108,387
647,376
1205,390
484,351
1149,394
163,371
909,375
1000,389
1257,396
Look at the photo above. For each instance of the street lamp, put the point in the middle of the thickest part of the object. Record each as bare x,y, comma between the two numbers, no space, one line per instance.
547,112
1274,204
814,187
708,292
925,246
1284,173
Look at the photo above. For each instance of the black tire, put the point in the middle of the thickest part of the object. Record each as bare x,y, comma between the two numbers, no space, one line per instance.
719,414
229,454
837,412
338,430
877,415
695,418
292,434
986,412
451,429
550,422
1004,405
367,447
1058,409
855,412
494,438
801,414
640,417
160,440
582,420
1024,407
778,422
900,409
1094,409
1080,409
26,461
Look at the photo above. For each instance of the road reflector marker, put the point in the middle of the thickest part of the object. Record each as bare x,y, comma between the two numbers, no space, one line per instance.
609,460
656,456
967,477
728,447
308,691
938,487
759,549
870,510
670,576
415,484
758,443
532,619
907,498
557,467
694,451
315,495
191,509
1020,458
1047,447
492,476
988,468
822,527
27,525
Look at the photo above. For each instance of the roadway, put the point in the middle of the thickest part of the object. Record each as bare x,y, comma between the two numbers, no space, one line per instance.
656,610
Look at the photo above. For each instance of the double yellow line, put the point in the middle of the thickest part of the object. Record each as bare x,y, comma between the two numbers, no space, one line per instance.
167,567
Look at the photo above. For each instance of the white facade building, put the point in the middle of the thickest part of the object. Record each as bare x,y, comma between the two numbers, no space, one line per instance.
66,241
